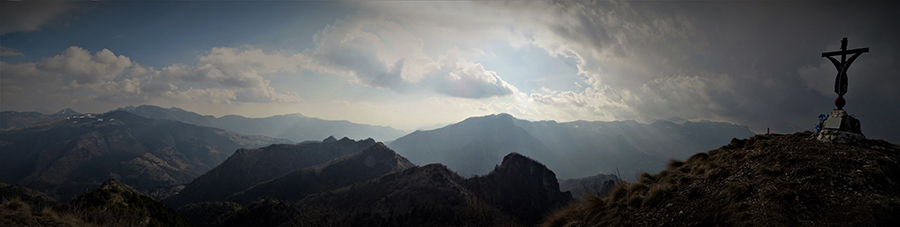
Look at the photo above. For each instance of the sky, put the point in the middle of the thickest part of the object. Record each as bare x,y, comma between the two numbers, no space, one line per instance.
415,64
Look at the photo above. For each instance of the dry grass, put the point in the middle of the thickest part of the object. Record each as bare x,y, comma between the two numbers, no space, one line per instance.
765,180
18,212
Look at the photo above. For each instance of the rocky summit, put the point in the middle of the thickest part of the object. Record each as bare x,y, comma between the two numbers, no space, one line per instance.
767,180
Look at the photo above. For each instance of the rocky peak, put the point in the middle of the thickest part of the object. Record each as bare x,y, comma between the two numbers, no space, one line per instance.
379,149
376,156
329,139
520,177
66,112
519,164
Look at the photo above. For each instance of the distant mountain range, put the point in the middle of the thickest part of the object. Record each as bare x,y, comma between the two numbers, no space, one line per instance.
13,119
68,156
571,149
295,127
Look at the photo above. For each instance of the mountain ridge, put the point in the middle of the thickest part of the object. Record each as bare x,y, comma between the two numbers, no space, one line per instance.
247,167
369,163
67,156
296,127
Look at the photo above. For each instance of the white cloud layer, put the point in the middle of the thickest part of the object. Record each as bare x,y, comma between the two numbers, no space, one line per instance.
223,76
383,53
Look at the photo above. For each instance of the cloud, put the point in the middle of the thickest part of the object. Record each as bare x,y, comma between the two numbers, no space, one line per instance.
223,76
29,16
816,79
389,54
81,68
372,51
9,52
22,75
458,77
649,60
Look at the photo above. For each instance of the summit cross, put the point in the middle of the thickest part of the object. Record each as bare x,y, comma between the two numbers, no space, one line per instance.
840,83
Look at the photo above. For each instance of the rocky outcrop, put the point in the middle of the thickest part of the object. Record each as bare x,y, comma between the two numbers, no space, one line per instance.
521,188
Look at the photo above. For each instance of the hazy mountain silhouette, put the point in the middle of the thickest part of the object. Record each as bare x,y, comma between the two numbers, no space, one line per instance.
294,127
248,167
68,156
473,146
767,180
369,163
14,119
572,149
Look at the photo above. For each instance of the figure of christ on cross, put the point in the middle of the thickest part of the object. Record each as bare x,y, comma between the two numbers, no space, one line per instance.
840,83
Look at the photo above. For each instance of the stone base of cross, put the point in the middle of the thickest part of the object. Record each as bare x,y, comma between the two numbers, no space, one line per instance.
840,127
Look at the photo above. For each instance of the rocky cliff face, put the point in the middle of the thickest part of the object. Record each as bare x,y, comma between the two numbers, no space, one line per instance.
248,167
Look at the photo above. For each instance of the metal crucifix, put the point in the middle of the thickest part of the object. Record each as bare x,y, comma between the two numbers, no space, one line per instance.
840,83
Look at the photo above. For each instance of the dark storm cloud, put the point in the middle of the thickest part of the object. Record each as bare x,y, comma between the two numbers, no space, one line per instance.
29,16
751,63
773,51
